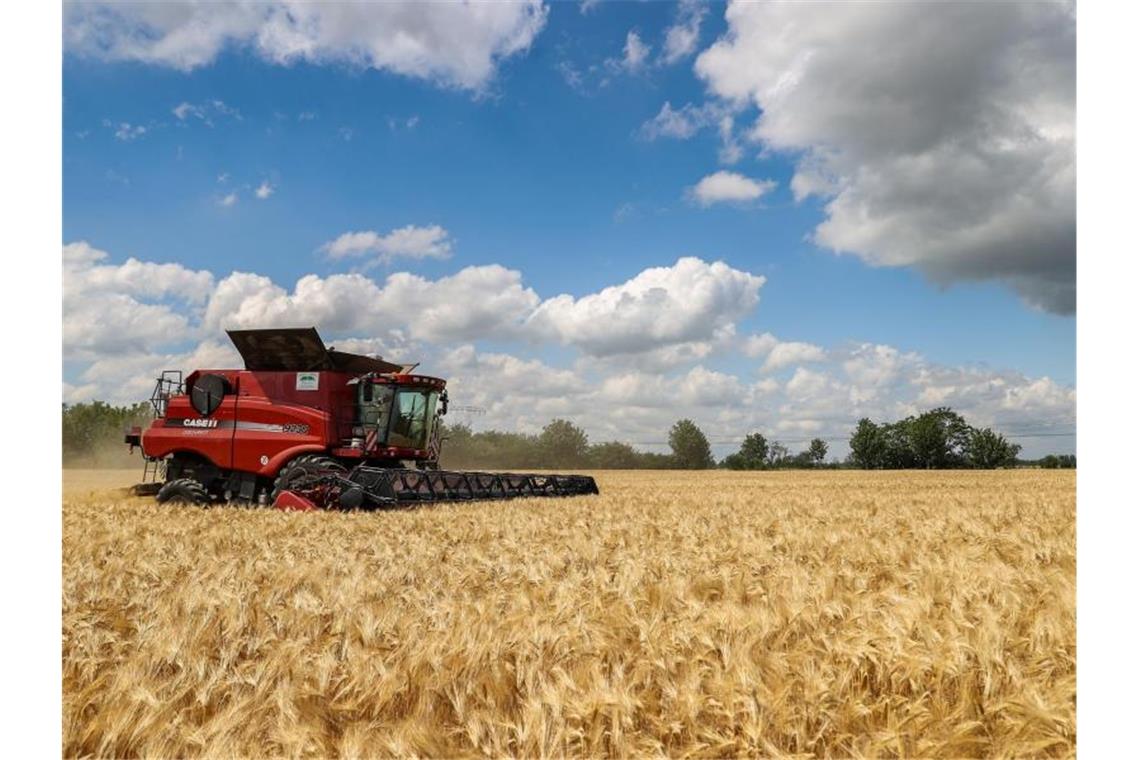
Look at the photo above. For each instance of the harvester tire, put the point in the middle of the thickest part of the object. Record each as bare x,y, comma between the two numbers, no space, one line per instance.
182,491
309,464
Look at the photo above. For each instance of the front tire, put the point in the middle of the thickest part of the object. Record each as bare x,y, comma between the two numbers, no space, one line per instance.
304,467
183,491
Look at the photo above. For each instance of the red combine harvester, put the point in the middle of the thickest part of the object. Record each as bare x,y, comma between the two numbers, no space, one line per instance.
304,426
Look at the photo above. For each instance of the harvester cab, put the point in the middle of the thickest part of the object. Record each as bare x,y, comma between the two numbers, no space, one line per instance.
305,426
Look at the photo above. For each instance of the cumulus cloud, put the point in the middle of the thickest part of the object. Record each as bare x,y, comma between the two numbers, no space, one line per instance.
476,302
631,358
790,353
228,200
729,187
454,45
264,190
411,242
951,149
780,354
689,301
129,307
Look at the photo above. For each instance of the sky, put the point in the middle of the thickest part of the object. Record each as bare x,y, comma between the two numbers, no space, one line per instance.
762,217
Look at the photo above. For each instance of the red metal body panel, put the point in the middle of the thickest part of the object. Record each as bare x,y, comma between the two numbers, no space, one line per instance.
269,418
289,501
183,429
277,422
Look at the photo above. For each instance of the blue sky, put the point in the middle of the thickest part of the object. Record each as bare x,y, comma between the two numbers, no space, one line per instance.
550,166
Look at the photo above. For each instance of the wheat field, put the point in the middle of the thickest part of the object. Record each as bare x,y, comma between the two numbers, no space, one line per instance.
839,614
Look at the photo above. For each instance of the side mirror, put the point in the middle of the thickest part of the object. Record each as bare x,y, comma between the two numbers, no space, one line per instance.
443,404
366,392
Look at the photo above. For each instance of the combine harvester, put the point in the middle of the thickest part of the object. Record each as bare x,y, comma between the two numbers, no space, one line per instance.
305,427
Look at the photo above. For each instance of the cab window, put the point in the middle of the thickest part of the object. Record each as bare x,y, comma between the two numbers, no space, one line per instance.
415,412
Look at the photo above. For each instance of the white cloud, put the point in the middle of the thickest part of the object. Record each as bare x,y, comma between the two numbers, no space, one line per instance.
952,151
637,355
126,307
205,111
730,151
411,242
806,383
758,345
228,200
682,37
127,378
475,302
792,352
454,45
264,190
636,52
729,187
125,131
684,122
689,301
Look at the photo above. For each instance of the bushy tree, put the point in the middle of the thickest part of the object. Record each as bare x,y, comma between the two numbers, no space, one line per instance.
938,438
867,445
817,451
987,449
1058,461
777,454
754,450
752,455
563,444
690,447
614,456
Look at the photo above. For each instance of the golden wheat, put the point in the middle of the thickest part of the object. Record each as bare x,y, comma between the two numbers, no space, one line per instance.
821,614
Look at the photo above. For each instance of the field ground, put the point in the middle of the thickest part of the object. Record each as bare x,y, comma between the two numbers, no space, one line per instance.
911,614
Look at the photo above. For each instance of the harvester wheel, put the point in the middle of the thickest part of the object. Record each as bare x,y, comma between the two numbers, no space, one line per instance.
303,467
182,491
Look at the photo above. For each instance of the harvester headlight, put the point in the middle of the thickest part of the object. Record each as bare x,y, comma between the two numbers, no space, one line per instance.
358,432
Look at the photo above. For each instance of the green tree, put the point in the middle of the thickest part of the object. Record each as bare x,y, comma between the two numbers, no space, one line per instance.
753,454
777,454
734,461
987,449
614,456
867,445
690,447
938,438
817,450
563,444
754,451
95,429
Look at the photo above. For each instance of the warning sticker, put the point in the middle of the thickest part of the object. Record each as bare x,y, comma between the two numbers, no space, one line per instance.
308,381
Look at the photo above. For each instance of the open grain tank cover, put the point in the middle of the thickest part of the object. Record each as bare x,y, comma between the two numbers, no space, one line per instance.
299,349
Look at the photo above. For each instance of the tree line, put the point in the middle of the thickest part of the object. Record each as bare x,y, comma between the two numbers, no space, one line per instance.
93,432
937,439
